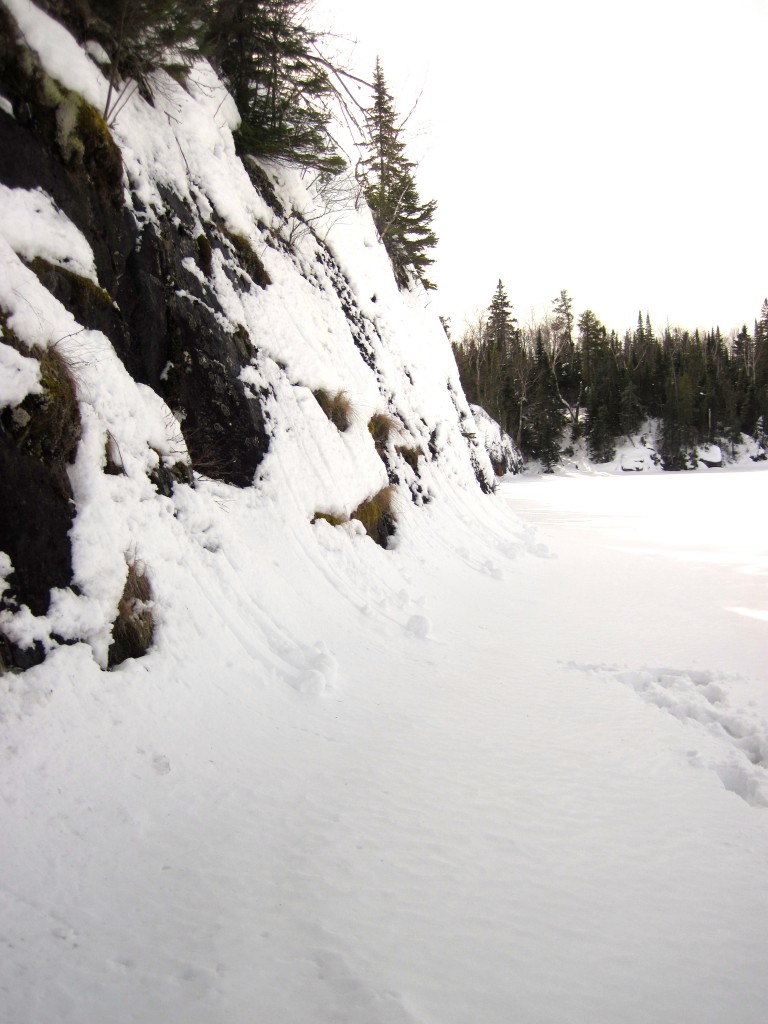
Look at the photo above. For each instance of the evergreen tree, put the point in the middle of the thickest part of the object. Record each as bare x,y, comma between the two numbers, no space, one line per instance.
696,385
268,58
140,36
761,370
563,364
546,428
600,376
562,322
403,222
501,329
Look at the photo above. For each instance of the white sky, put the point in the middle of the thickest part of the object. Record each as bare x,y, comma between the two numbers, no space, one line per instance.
618,151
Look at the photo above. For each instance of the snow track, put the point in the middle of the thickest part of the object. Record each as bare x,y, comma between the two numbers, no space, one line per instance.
699,699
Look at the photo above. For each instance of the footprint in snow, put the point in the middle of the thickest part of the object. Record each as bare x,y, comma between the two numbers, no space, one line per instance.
699,699
320,673
418,626
351,1000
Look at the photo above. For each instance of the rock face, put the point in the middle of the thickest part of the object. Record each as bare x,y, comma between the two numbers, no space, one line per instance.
165,324
203,302
141,268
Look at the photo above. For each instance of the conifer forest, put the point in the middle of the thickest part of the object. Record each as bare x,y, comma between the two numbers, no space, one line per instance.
552,382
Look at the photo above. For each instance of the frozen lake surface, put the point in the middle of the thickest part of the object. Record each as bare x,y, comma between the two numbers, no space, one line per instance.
673,561
533,790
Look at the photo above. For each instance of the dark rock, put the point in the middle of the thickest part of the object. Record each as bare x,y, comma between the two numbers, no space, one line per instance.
165,477
35,519
164,322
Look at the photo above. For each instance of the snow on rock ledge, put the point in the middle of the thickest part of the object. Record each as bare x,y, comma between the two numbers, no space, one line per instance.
202,304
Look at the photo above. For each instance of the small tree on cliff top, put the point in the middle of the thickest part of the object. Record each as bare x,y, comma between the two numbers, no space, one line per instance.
403,222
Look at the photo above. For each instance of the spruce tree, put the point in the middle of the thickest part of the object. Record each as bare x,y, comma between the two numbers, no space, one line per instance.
268,58
600,377
546,430
139,37
563,363
403,222
501,329
761,371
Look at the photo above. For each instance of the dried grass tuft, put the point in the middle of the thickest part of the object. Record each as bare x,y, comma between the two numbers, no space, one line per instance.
377,514
411,455
337,407
381,427
134,627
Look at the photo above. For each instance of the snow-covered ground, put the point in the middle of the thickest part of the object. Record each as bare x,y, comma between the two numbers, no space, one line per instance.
511,769
533,789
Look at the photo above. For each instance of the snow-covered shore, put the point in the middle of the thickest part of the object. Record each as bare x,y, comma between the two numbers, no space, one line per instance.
551,807
513,767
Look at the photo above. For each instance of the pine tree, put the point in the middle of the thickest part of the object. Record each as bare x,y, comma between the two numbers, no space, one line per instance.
544,434
501,329
600,377
140,36
403,222
281,86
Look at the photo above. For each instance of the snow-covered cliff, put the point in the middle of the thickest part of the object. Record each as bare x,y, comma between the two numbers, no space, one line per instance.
243,371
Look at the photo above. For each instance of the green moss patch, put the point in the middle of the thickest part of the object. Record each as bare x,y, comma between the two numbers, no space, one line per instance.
46,426
88,296
248,258
328,517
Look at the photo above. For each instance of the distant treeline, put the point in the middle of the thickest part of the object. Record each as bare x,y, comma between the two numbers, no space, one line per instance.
554,382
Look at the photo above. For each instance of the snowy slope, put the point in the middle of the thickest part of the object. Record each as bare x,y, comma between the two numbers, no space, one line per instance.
436,783
332,318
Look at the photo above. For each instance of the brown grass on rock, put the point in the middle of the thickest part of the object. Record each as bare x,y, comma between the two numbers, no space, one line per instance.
377,514
381,427
411,454
134,627
337,407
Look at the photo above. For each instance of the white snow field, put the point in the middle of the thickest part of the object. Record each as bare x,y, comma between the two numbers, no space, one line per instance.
533,788
510,771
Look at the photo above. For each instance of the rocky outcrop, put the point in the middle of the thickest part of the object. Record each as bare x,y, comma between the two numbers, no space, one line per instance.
165,324
211,308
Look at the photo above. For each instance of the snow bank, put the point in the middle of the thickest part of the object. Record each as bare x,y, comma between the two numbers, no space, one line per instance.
641,453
